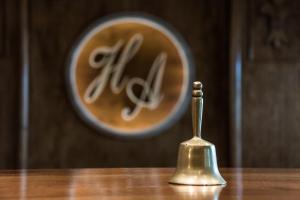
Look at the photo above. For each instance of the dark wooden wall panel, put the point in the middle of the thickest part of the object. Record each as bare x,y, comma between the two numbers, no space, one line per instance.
59,139
271,85
2,27
9,49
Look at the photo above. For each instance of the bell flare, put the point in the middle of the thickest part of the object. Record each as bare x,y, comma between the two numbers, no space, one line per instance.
197,164
182,178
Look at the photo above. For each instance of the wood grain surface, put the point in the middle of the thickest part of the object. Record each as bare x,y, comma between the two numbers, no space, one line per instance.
146,183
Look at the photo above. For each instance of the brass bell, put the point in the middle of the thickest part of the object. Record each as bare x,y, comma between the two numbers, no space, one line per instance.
197,162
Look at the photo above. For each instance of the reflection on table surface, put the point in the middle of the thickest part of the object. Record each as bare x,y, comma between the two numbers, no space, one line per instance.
146,183
198,192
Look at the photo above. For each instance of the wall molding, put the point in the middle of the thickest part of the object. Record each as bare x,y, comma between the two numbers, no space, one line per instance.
236,59
24,92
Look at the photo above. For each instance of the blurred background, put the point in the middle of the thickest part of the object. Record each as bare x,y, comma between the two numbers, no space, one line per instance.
247,55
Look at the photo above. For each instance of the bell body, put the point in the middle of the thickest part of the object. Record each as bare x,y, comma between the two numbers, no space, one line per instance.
197,160
197,164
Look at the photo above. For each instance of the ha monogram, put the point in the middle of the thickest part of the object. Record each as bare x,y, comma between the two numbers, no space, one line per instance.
120,82
129,76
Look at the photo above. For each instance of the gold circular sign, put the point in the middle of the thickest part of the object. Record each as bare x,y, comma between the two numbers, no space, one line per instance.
130,75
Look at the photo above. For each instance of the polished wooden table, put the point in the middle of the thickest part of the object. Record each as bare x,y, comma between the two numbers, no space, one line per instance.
146,183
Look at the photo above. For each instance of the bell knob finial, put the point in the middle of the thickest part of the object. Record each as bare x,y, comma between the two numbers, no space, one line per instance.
197,89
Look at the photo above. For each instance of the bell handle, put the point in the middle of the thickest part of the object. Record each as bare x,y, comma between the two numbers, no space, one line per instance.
197,108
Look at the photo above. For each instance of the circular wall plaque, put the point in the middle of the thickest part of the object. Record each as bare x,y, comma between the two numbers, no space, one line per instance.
130,75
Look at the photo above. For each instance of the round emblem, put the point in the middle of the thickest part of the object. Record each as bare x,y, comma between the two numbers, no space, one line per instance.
130,75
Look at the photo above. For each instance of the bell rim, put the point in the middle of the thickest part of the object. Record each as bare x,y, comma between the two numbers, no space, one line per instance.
195,184
217,180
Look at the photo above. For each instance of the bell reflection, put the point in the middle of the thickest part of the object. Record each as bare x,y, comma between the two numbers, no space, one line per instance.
198,192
